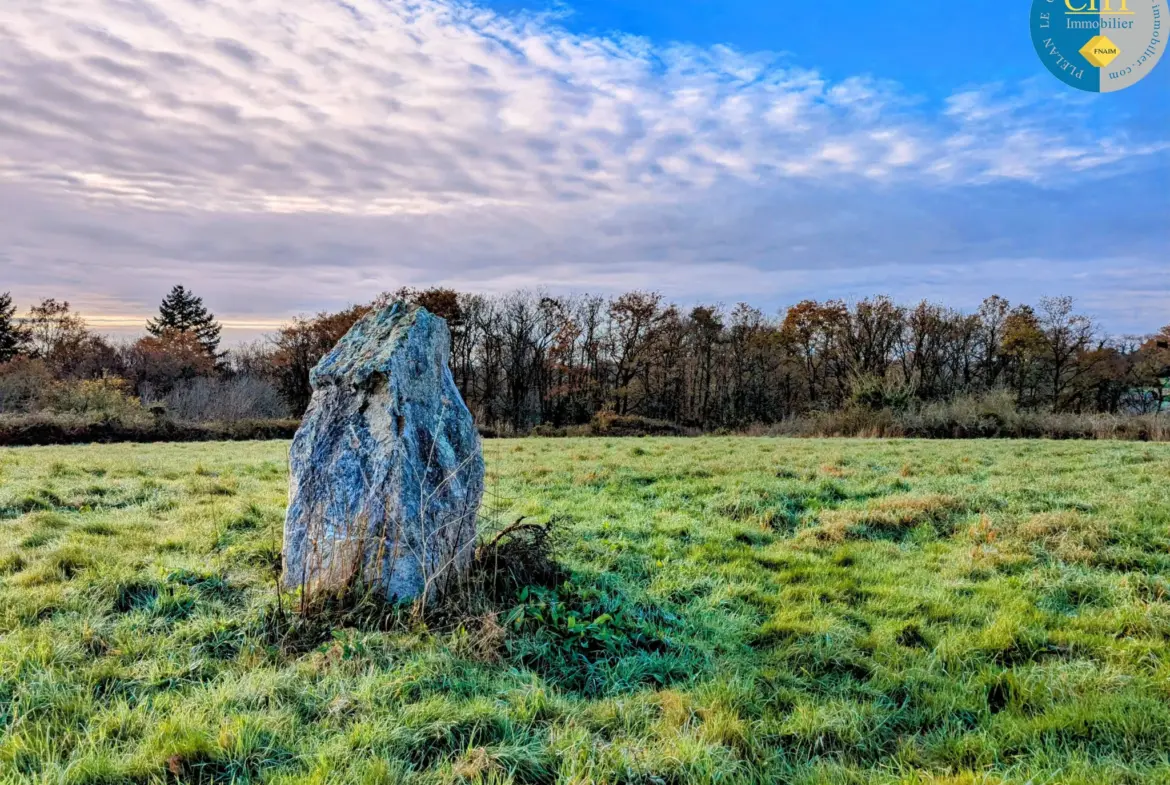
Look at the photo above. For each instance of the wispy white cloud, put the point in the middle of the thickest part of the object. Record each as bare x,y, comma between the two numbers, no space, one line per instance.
277,152
390,107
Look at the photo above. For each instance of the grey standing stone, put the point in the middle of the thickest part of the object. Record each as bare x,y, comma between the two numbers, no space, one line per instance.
386,472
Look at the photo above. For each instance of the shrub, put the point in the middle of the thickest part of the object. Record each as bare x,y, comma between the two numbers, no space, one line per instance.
610,424
874,393
990,416
225,400
56,428
107,398
23,382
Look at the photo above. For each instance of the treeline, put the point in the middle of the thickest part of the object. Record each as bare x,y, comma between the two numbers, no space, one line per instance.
50,360
527,360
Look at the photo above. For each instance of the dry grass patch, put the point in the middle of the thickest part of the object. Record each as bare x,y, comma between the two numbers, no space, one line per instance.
888,517
595,478
481,638
724,726
1068,535
474,765
833,470
675,708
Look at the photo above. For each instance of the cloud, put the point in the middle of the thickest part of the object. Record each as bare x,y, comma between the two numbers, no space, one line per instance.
284,157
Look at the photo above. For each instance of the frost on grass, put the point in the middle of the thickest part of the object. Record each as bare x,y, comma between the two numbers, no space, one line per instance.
999,614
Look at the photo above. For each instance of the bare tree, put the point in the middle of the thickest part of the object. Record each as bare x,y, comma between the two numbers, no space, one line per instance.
1066,337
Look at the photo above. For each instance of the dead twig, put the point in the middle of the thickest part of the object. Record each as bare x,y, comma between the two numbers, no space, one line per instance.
512,528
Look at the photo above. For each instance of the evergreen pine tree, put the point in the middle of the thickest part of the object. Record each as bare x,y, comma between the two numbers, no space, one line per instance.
13,335
182,311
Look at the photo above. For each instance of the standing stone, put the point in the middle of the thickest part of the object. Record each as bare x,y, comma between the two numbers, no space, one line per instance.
386,470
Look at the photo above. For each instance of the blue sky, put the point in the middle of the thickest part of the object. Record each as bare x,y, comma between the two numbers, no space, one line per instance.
930,48
286,158
926,45
915,43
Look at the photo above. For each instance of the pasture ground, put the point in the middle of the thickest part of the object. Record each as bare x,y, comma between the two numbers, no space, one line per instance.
739,611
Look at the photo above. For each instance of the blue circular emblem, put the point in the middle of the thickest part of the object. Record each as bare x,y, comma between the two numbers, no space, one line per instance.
1100,45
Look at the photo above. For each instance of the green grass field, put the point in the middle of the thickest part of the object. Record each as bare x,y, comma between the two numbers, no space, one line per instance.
739,611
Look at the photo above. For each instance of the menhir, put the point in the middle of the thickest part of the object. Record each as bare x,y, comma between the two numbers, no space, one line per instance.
386,468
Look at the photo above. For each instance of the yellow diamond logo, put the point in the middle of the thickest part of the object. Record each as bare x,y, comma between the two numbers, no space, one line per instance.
1100,51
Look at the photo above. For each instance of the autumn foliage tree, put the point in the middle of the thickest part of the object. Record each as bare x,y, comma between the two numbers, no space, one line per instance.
58,336
156,363
299,346
1152,373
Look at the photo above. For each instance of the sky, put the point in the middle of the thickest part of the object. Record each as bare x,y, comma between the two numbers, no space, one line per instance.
286,158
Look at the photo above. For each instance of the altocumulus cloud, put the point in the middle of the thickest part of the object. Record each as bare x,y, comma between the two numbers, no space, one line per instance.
284,157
